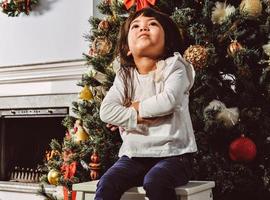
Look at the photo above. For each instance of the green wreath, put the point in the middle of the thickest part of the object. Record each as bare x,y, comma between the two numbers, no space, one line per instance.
14,8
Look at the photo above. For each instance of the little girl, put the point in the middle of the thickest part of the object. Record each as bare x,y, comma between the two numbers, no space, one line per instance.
149,101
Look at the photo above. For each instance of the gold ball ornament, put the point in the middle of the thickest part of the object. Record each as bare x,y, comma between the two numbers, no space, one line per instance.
53,177
86,93
234,47
81,135
197,55
101,46
253,8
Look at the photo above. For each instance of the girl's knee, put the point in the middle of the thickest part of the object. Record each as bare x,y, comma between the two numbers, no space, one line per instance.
106,190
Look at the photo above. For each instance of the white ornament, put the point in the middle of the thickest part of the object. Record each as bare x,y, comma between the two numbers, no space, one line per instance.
221,12
266,49
228,116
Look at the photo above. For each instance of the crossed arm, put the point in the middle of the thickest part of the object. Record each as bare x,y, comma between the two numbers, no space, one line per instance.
160,105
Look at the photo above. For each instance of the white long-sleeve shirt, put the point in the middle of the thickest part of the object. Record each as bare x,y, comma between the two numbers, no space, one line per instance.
161,92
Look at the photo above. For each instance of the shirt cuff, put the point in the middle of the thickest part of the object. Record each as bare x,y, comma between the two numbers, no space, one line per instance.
132,122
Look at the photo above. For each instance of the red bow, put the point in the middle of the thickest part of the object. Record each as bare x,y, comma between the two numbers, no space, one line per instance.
27,6
69,170
140,3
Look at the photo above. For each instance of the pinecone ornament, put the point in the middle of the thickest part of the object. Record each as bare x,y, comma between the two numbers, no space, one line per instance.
101,46
104,25
197,55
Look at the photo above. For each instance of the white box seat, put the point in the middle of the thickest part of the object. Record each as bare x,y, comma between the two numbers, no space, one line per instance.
194,190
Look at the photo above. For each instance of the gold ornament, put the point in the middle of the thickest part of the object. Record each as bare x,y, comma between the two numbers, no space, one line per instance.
253,8
53,176
197,55
81,135
86,93
234,47
101,46
104,25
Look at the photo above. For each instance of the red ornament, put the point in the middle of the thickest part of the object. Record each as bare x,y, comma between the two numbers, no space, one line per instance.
242,149
94,166
140,4
95,158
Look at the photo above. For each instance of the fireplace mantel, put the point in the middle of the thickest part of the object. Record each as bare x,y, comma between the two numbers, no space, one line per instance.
48,78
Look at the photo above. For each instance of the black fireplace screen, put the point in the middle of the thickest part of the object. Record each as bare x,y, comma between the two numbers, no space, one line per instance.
25,135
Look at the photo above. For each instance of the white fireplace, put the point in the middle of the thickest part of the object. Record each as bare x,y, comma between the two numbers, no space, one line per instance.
38,86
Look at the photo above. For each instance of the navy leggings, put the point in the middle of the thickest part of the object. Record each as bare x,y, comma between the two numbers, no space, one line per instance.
158,176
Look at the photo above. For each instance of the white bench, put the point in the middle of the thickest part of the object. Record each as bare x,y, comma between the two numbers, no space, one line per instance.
194,190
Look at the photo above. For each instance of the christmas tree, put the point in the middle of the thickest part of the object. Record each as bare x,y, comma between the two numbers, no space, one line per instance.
228,44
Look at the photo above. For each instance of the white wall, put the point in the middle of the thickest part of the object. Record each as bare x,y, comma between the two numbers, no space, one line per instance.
52,32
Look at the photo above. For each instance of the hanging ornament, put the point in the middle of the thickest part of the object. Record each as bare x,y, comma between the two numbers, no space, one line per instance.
81,135
86,94
221,12
104,25
228,117
266,49
242,149
197,55
253,8
77,124
51,154
140,4
94,166
234,47
216,110
53,177
101,46
108,2
16,7
91,52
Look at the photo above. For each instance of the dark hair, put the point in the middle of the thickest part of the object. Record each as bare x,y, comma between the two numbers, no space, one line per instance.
173,43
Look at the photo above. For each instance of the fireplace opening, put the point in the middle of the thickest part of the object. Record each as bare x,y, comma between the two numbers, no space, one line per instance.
25,135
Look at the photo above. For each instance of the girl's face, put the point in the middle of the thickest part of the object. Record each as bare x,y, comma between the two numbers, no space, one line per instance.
146,37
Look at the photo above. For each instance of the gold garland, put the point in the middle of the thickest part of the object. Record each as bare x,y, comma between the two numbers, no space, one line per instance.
14,8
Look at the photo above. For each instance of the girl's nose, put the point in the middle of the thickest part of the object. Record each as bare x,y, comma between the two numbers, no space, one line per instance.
144,29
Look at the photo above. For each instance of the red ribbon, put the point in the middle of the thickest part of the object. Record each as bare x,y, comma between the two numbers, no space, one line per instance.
27,6
140,3
69,170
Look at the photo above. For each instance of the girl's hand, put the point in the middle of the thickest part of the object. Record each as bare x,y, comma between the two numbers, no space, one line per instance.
112,127
153,120
135,105
147,121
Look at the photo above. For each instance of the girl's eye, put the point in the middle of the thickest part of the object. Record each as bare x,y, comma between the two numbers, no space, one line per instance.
153,23
134,26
